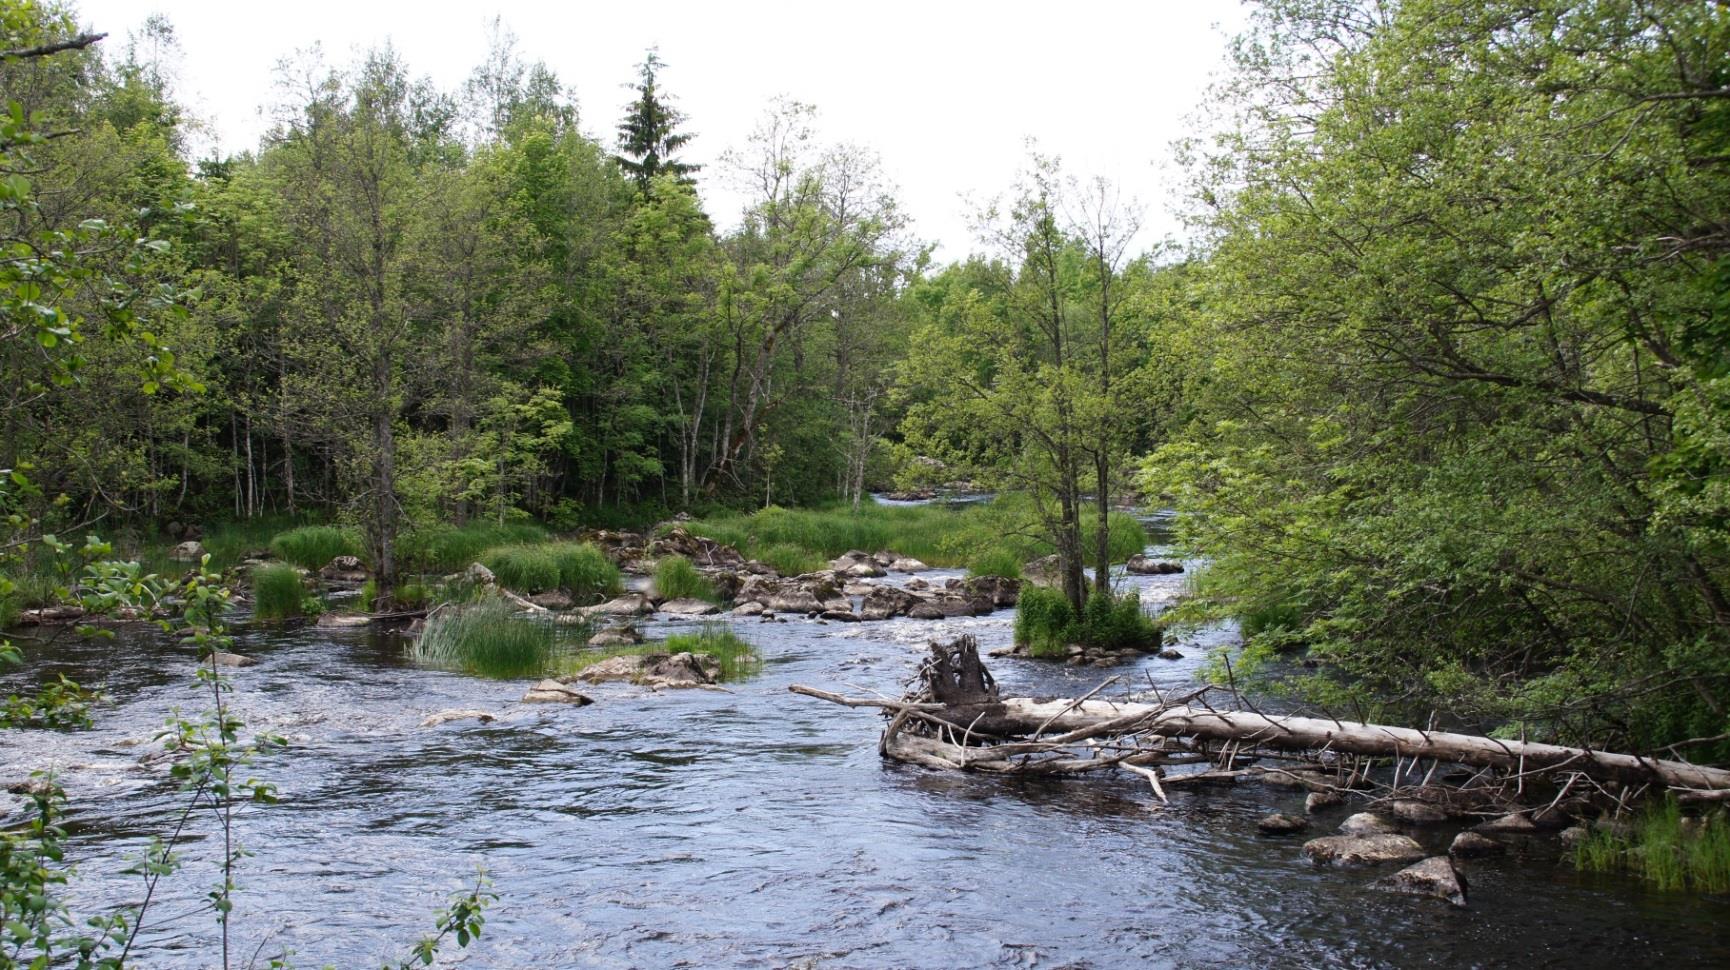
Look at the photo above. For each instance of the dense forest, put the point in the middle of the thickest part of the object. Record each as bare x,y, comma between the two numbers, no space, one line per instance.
1438,381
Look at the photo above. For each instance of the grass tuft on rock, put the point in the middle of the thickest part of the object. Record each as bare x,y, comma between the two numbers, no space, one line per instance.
1665,848
277,593
448,548
313,546
737,658
585,571
487,638
1046,624
676,578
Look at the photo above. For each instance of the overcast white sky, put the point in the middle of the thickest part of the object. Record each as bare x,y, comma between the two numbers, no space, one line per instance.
946,92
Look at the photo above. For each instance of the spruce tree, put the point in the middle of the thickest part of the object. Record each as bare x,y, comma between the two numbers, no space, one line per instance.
649,135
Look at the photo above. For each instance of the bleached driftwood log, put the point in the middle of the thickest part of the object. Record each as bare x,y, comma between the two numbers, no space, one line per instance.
957,720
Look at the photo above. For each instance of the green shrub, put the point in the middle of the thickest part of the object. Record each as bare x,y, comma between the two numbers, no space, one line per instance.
790,560
584,570
995,561
487,638
447,548
1045,623
277,592
676,579
1664,851
313,546
524,569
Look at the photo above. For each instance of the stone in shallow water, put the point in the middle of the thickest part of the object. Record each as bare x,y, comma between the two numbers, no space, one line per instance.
1351,851
1367,823
554,692
618,636
1513,824
631,604
1423,813
1318,800
1471,845
1435,877
222,659
457,714
752,608
690,607
1279,824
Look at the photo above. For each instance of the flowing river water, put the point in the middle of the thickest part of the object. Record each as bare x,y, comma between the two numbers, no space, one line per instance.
752,828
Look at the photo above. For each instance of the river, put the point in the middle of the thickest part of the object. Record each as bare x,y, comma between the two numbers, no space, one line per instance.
753,828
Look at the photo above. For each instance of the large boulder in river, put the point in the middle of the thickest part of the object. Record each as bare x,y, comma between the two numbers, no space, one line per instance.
344,569
656,670
702,551
1352,851
1002,591
810,593
884,602
617,636
1367,823
1419,812
1142,565
907,564
555,692
189,551
690,607
630,604
1435,877
856,565
1042,571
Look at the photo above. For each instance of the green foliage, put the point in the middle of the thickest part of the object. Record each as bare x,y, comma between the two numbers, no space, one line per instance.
487,638
314,546
523,569
939,535
447,548
788,559
995,561
1665,848
585,571
1046,624
277,592
676,578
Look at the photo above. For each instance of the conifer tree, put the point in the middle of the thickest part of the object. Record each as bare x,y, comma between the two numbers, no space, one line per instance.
649,135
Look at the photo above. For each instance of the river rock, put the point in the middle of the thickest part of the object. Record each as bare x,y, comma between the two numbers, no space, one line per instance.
344,569
1141,565
690,607
552,599
1422,813
457,714
702,551
884,602
752,608
1471,845
630,604
1573,835
1318,800
858,589
343,621
925,611
1351,851
617,636
857,565
479,575
1367,823
1169,654
1041,571
1280,824
841,616
1512,824
916,583
1001,591
222,659
1435,877
907,564
656,670
555,692
189,551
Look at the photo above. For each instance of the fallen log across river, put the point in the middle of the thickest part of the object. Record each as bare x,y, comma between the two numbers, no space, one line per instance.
954,718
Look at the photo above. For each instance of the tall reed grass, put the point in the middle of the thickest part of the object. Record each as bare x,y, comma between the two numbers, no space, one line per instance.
676,578
277,592
313,546
487,638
